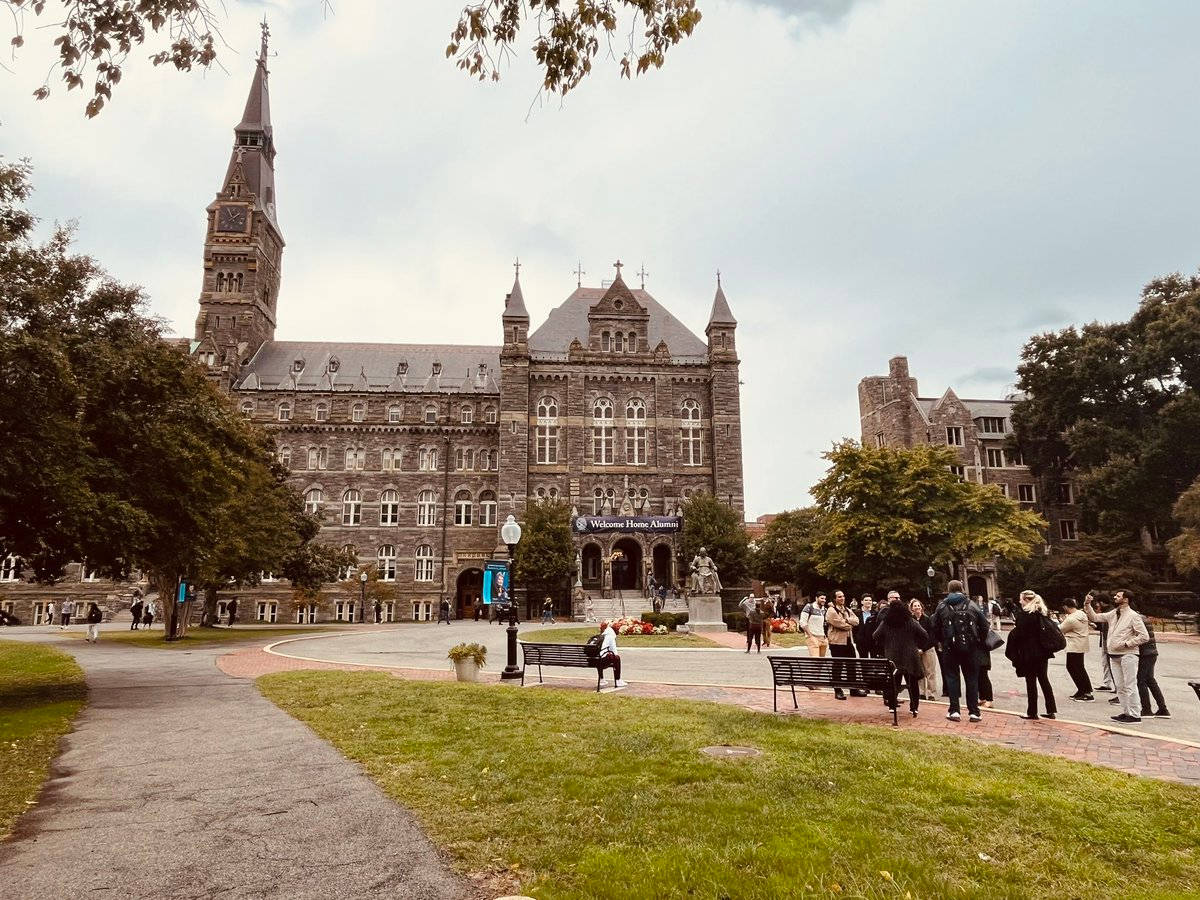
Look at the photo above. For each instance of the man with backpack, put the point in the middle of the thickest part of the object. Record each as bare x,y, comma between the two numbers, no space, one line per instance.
960,627
812,623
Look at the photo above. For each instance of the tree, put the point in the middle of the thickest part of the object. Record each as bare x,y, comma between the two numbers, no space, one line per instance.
545,556
717,527
785,551
1101,561
375,590
95,37
888,513
1184,548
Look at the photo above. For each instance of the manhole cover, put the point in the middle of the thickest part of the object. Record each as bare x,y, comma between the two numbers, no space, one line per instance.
724,751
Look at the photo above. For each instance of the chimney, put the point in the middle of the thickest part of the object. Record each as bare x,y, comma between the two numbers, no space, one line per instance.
898,367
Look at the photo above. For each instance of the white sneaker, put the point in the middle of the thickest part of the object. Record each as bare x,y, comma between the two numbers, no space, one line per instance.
603,682
621,683
953,717
974,717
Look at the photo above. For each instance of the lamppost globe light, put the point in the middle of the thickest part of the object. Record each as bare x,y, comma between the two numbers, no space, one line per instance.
510,531
930,572
362,577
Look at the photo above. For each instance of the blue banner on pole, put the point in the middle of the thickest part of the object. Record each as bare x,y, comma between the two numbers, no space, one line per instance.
495,577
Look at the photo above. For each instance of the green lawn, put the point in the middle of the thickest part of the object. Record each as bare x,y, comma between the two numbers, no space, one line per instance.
41,690
580,795
200,637
580,635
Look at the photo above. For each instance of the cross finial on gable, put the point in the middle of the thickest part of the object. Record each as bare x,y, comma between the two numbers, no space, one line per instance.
579,273
642,273
618,266
517,266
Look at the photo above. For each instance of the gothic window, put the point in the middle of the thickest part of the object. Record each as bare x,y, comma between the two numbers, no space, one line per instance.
247,408
546,495
312,500
603,500
356,458
285,411
392,458
426,508
10,568
351,508
430,414
602,432
632,342
220,288
487,508
389,508
238,289
428,460
489,415
464,458
387,563
547,430
424,559
285,457
484,460
321,412
466,415
635,433
605,341
394,413
318,457
345,572
462,508
358,412
690,445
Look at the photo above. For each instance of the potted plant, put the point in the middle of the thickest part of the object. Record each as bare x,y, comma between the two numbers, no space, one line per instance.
468,659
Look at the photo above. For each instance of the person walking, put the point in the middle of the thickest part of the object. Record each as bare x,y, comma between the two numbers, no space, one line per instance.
1146,682
899,638
94,618
929,661
1107,683
812,623
149,611
959,629
840,622
477,608
766,606
444,611
231,610
378,611
547,611
50,620
68,609
753,612
1030,649
608,656
1074,627
135,610
1126,633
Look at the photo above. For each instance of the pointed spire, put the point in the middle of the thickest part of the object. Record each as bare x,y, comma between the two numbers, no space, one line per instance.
257,115
721,314
514,302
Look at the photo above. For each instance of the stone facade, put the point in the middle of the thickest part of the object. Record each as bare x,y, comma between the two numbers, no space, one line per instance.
894,414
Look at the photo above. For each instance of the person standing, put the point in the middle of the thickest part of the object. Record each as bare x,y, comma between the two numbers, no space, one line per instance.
477,608
94,618
547,611
929,660
766,606
1107,683
1029,651
862,634
444,611
1074,627
135,610
1146,682
1126,633
231,609
959,628
899,638
378,611
812,623
753,612
983,659
50,620
68,609
608,656
150,610
840,622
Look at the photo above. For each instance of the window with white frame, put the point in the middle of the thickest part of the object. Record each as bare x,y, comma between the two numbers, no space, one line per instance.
10,568
389,611
463,507
1003,489
619,342
387,563
285,457
428,459
605,341
879,439
312,500
959,471
321,412
1066,493
343,611
395,413
466,415
464,458
430,414
631,342
954,435
603,500
635,433
547,431
602,432
422,610
1015,458
485,460
306,614
391,458
489,415
992,425
426,508
267,611
389,508
356,458
358,412
318,457
424,558
691,451
995,458
285,411
352,507
1066,530
247,408
1026,493
487,508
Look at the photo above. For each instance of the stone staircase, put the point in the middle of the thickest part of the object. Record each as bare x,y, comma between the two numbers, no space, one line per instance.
630,604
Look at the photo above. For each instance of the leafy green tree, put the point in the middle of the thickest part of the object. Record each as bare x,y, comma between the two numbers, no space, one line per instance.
717,527
888,513
785,551
1184,548
545,556
1106,562
376,588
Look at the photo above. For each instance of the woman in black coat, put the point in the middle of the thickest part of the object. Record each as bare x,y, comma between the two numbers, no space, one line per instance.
1027,651
900,638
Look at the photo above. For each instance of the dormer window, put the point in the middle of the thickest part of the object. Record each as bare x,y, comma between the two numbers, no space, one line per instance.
297,366
357,412
402,367
430,414
334,364
437,369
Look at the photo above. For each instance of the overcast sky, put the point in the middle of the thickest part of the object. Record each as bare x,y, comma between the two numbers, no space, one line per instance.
938,179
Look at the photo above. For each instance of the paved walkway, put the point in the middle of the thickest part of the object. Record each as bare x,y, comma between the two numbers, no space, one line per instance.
181,782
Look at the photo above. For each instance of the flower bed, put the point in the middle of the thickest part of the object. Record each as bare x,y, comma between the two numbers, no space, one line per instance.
784,626
636,626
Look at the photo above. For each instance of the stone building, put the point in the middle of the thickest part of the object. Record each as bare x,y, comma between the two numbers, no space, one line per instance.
894,414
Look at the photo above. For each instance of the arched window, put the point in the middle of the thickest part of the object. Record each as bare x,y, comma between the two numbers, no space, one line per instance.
285,411
424,559
489,415
395,413
547,430
238,289
318,457
10,568
247,408
387,563
690,452
312,500
220,283
428,459
430,414
602,432
603,500
620,342
635,433
356,458
632,342
358,412
426,508
392,457
321,412
466,415
605,341
285,457
389,508
462,508
487,508
544,495
351,507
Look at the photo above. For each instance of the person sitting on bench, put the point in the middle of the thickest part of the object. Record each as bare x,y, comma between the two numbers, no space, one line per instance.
608,655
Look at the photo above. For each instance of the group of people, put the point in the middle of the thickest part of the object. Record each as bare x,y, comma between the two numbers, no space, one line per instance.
93,617
956,642
144,611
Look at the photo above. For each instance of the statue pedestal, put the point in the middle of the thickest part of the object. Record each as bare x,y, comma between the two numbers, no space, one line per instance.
704,613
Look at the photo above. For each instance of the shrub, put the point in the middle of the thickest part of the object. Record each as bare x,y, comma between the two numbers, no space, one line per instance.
459,652
680,619
735,621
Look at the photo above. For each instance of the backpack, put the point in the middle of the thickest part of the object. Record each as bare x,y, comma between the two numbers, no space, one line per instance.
1050,637
591,649
958,629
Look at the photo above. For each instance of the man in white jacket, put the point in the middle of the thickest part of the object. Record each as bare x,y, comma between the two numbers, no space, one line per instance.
1126,632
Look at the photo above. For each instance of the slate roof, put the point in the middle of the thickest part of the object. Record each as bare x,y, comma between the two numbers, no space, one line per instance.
569,321
514,302
372,367
721,313
977,408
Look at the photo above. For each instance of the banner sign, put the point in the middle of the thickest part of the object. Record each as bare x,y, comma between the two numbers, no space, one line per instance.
495,577
650,524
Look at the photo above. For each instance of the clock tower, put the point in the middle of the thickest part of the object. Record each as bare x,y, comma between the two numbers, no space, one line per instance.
243,245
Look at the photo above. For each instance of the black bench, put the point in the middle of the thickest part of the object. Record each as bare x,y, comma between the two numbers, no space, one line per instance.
1195,687
576,656
854,674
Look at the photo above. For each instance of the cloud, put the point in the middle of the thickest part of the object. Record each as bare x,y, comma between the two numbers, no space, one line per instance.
987,375
822,11
1048,317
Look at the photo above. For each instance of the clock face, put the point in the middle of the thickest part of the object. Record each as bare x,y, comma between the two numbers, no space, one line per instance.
231,218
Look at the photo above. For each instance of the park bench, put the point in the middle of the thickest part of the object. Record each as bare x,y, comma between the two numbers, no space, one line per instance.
1195,687
576,656
854,674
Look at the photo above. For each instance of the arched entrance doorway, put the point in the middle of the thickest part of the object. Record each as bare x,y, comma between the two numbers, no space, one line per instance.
627,565
661,556
469,586
977,586
592,571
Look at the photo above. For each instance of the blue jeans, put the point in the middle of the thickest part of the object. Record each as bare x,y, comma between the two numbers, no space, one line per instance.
954,664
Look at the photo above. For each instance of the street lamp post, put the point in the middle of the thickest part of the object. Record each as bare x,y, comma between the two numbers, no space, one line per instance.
362,608
929,573
510,534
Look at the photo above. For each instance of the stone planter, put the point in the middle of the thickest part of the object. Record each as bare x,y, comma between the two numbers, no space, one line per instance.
466,670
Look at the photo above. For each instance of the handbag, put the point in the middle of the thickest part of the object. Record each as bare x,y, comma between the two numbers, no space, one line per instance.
992,641
1050,637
